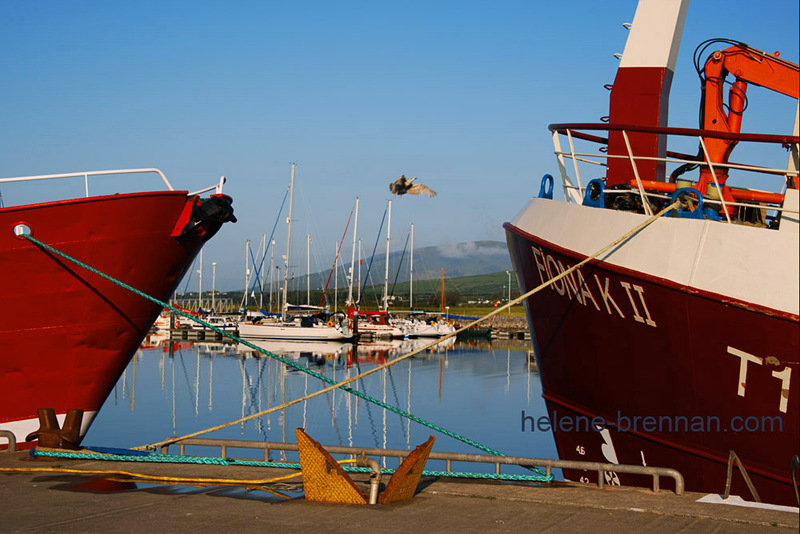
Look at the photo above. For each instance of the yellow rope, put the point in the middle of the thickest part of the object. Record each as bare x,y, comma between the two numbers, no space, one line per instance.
157,478
497,310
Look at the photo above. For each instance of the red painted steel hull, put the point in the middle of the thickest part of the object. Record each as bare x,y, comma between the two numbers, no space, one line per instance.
684,370
67,334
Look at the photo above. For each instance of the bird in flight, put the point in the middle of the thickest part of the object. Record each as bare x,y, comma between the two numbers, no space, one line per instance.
404,185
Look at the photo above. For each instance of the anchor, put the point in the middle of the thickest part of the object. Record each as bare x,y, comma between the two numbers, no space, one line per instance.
324,480
52,436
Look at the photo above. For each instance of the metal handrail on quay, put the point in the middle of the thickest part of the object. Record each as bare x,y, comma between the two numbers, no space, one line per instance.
12,440
449,458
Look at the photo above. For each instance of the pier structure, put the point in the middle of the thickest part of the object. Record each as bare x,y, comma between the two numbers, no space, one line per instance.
85,500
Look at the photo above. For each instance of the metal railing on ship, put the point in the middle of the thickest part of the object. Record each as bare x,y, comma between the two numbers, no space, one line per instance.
574,191
86,174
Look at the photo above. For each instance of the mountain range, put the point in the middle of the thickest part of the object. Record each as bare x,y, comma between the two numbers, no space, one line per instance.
475,269
457,260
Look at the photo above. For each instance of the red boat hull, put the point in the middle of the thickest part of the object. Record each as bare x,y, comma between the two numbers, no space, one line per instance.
67,334
679,376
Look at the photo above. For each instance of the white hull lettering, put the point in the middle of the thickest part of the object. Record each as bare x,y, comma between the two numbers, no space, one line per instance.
606,294
784,375
636,315
558,285
585,293
574,285
647,319
538,257
743,359
571,285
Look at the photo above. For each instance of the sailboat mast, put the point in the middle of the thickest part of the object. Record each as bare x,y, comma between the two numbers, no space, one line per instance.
288,242
246,297
353,259
335,277
386,276
442,290
308,269
411,273
200,285
261,268
271,271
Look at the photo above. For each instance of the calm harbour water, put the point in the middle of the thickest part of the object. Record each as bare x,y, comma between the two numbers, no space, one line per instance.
476,389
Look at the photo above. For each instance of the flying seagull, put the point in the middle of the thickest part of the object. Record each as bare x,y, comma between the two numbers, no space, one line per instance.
404,185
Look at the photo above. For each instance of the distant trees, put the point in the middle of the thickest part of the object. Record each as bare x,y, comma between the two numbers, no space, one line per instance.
450,299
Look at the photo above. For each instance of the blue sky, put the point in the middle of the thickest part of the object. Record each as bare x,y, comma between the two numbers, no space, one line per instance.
458,94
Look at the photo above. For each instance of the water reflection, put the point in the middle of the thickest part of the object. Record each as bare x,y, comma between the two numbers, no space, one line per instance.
476,389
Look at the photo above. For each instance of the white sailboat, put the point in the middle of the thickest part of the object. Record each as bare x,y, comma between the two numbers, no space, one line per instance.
417,324
376,324
307,327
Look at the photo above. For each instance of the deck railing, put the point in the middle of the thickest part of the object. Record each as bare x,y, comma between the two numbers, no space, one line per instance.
575,189
85,175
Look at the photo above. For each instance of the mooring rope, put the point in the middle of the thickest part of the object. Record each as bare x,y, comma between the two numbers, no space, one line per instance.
144,477
333,384
205,460
341,385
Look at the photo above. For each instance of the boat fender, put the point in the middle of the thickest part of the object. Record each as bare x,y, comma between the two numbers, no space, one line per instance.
679,212
595,196
546,188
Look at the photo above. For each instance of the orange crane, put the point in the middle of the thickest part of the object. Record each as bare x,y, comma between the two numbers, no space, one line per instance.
749,66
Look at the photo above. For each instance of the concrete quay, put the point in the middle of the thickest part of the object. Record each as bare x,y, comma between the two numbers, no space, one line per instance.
85,502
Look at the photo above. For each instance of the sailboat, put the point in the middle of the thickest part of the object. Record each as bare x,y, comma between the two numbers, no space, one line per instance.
416,324
305,327
376,323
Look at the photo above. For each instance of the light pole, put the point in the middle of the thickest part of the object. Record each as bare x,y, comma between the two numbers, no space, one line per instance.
213,285
509,289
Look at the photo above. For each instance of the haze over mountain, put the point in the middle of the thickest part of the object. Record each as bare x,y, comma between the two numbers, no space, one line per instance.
461,259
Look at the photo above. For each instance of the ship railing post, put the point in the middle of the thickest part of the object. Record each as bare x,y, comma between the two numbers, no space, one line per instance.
645,201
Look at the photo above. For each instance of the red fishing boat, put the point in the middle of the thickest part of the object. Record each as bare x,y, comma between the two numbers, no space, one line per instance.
66,333
678,346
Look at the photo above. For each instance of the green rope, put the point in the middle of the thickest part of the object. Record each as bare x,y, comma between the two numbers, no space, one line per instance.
204,460
290,363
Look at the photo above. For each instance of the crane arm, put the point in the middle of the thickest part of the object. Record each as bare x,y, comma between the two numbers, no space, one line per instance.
747,65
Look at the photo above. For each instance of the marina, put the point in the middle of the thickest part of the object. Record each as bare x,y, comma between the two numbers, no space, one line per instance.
172,388
634,366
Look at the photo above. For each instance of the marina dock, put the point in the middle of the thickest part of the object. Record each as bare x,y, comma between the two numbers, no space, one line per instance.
504,327
72,502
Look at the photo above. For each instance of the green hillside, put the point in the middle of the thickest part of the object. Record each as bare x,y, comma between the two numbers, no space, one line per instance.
475,290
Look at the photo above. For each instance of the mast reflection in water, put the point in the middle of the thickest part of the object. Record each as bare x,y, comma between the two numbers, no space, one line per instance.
476,389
